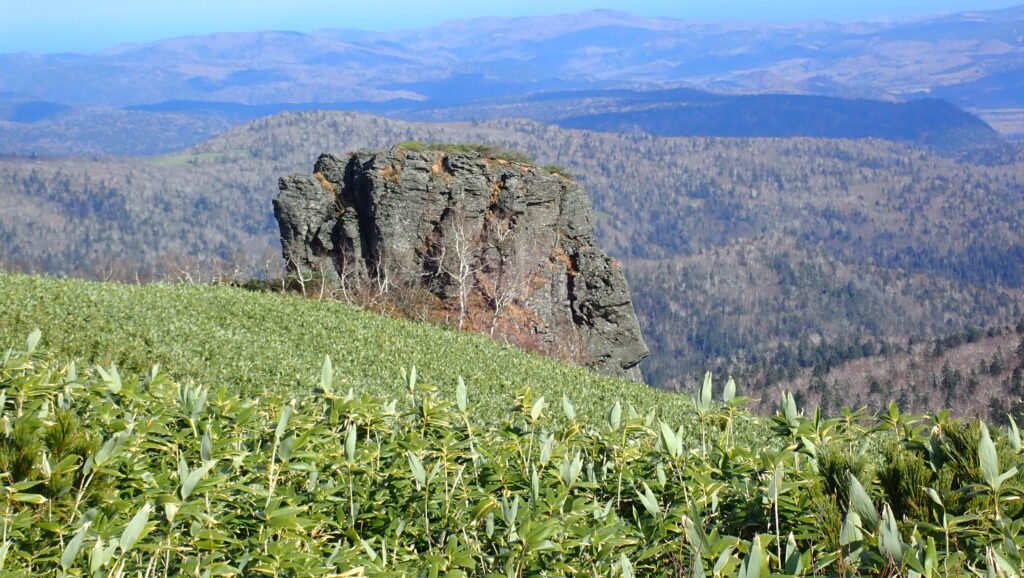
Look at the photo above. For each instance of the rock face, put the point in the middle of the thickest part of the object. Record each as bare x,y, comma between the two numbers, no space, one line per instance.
483,243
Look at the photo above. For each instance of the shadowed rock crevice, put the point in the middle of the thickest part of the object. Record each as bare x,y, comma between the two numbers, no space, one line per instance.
480,243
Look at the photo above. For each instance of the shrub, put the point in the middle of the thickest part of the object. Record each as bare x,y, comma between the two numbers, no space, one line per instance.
558,170
484,150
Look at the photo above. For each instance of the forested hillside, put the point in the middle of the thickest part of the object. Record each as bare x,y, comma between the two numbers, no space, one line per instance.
733,246
735,307
978,372
153,129
686,112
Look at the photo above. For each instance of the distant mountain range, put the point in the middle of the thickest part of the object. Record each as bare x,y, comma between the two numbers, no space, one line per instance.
487,67
514,55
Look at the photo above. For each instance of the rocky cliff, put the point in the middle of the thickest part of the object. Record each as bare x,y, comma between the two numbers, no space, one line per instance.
483,243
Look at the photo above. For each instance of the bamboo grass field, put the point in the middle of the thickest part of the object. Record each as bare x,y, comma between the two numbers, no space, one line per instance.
200,430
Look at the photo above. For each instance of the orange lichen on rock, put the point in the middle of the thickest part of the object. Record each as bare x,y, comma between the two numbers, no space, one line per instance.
327,185
391,173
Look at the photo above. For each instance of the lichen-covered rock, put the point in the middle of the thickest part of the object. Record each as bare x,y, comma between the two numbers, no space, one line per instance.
498,246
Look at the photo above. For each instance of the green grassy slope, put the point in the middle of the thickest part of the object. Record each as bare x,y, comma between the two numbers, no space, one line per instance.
252,342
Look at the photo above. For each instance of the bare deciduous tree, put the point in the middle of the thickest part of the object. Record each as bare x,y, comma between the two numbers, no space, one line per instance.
464,267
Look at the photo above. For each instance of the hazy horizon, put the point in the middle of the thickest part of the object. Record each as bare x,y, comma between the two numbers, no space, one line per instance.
47,26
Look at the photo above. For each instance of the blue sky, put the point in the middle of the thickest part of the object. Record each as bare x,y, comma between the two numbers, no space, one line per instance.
82,25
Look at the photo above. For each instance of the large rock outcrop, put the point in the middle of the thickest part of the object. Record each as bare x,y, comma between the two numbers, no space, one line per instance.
482,243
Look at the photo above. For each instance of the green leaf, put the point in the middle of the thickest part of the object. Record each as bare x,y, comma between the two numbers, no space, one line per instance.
988,460
32,341
751,567
1010,546
627,566
696,536
327,376
171,511
112,379
418,472
482,508
23,485
100,555
110,448
282,422
223,570
726,562
67,559
510,512
547,445
534,483
350,443
206,446
190,483
650,501
861,503
1014,435
284,452
1001,564
893,413
794,559
774,488
931,558
615,416
412,379
697,567
461,395
889,541
154,374
287,517
369,550
196,397
787,406
536,536
537,409
671,441
850,532
1007,475
107,450
28,498
570,470
182,467
915,565
568,409
704,403
134,530
729,393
